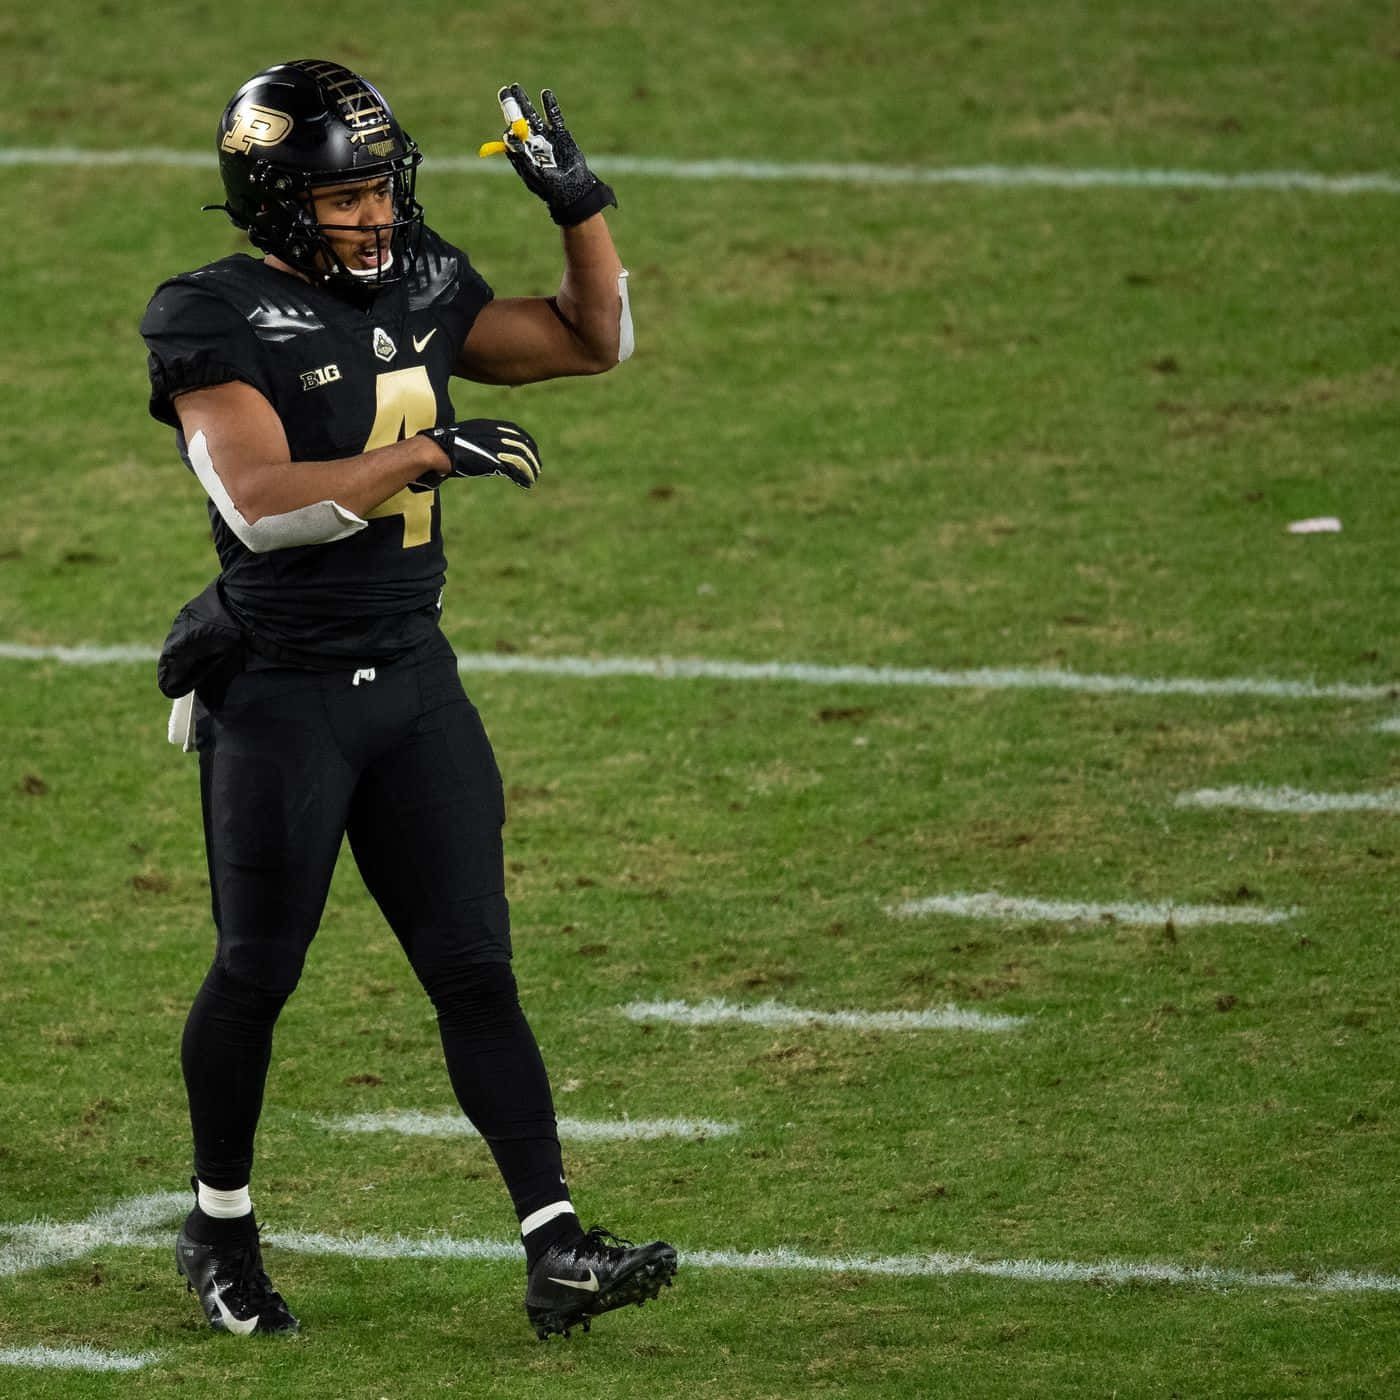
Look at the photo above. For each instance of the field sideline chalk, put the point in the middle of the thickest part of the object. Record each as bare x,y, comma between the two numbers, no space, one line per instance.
452,1123
992,905
1289,799
770,1014
666,668
84,1358
115,1226
847,172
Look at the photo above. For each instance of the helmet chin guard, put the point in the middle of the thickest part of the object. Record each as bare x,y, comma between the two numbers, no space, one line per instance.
302,126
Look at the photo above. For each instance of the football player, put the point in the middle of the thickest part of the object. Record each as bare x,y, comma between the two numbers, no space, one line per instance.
309,390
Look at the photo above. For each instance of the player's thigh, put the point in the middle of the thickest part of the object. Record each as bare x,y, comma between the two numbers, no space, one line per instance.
425,829
276,793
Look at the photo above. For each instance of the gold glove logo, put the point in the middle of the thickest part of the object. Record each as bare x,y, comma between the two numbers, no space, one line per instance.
255,126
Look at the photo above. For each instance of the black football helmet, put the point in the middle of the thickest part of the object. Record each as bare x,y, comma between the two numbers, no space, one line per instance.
302,126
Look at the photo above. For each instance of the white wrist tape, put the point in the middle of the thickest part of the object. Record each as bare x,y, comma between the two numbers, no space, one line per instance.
626,341
321,523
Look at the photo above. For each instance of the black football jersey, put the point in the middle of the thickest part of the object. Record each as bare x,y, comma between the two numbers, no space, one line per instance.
343,379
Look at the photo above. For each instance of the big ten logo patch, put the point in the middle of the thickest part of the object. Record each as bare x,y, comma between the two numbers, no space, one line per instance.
319,378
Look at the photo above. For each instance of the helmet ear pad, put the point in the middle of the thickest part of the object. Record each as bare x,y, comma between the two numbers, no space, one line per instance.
299,233
279,221
304,241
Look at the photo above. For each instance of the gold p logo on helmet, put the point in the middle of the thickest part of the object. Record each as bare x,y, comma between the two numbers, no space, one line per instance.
255,126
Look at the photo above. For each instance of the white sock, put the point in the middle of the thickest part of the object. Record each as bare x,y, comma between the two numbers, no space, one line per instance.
225,1205
544,1215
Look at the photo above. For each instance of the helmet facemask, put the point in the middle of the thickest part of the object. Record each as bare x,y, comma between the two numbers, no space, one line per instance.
287,227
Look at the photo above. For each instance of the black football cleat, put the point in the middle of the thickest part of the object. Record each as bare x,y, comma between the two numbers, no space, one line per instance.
573,1283
235,1293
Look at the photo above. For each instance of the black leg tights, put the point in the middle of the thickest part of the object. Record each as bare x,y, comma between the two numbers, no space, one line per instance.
225,1053
499,1078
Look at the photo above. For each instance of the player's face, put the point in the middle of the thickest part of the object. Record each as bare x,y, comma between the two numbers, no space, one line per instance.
348,215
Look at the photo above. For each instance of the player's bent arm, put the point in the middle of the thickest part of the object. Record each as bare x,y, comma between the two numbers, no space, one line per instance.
585,329
238,449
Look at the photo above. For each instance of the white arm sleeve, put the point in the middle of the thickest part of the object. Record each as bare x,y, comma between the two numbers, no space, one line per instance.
320,523
626,341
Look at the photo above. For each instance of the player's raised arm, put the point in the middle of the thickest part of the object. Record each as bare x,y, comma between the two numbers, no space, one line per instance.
586,328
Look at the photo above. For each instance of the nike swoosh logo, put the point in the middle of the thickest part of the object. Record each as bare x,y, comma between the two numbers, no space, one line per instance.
472,447
419,344
236,1326
588,1285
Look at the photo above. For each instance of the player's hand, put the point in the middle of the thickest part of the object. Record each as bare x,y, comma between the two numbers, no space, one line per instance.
547,159
485,447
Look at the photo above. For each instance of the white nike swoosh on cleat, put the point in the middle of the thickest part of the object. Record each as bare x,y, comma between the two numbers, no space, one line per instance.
238,1327
419,344
588,1285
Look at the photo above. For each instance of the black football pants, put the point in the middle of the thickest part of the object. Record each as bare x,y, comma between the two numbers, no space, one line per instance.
292,761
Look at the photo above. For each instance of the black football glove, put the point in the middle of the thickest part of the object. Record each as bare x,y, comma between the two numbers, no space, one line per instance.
485,447
547,159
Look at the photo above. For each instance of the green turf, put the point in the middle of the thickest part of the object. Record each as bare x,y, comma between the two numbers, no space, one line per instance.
910,425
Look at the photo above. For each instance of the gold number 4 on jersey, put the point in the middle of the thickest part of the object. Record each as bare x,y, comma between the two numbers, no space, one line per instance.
404,404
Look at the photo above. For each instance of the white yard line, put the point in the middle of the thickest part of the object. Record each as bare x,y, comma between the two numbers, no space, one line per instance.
771,1014
82,1358
129,1224
987,678
431,1246
991,905
1289,799
804,673
845,172
933,1265
941,1265
81,655
997,176
451,1123
40,1244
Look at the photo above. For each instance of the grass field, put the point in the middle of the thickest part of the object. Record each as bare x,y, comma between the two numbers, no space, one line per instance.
987,439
